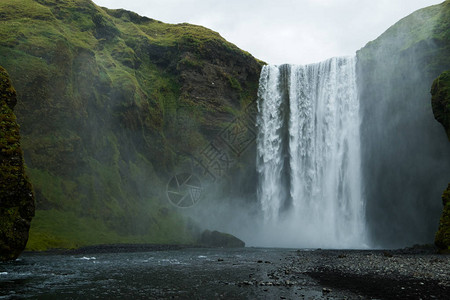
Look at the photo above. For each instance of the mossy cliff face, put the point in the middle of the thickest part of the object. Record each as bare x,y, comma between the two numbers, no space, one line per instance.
440,101
16,195
109,104
405,153
442,238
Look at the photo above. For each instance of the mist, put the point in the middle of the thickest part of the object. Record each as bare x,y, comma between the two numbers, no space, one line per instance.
405,162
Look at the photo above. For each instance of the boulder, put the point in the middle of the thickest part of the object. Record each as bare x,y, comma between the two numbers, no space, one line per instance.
219,239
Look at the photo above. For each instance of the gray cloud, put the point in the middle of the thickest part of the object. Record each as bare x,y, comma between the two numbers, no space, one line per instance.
283,31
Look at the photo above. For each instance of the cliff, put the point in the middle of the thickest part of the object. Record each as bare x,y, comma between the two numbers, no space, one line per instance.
111,106
440,101
405,154
442,238
16,194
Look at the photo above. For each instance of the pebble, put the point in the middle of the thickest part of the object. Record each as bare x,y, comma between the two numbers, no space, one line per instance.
423,267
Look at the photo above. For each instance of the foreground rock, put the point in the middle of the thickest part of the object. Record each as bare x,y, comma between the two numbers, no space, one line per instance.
16,196
370,274
442,239
440,100
219,239
441,108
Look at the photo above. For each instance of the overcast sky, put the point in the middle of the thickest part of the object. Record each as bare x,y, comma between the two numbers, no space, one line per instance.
283,31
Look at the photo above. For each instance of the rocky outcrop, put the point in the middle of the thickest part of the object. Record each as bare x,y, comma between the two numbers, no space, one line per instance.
440,101
405,155
219,239
16,195
442,238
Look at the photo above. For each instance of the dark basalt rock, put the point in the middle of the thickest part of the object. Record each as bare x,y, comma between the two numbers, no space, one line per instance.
219,239
16,195
442,239
405,155
440,102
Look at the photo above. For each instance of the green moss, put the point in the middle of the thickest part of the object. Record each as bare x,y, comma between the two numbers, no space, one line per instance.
23,9
125,55
191,62
440,91
442,238
52,229
394,75
52,190
234,83
103,93
12,169
16,195
424,32
440,100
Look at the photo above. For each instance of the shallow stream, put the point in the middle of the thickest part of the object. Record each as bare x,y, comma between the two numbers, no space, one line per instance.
182,274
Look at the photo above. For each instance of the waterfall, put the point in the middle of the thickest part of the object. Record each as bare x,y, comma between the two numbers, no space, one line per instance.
308,154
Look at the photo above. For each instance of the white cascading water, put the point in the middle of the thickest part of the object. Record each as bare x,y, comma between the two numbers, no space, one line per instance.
318,159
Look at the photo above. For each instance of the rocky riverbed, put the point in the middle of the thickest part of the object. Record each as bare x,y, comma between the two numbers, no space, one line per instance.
178,272
369,274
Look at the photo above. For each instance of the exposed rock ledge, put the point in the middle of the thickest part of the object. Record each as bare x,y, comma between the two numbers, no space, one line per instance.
16,195
219,239
440,101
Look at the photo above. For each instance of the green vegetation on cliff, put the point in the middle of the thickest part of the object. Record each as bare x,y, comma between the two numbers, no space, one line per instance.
16,195
440,100
405,154
442,239
422,37
108,103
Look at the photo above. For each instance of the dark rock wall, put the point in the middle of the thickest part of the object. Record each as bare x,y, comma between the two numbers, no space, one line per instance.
442,238
16,194
219,239
440,101
406,159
